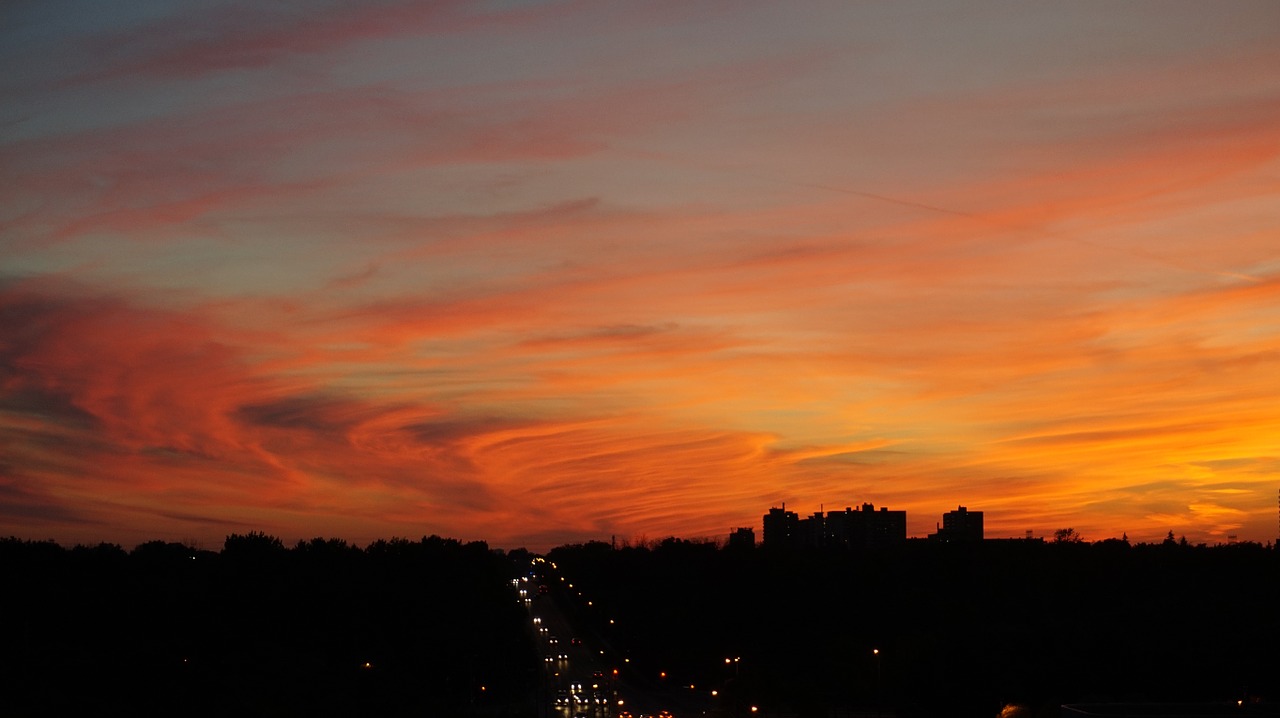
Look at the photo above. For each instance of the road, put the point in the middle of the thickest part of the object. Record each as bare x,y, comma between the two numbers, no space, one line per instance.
583,677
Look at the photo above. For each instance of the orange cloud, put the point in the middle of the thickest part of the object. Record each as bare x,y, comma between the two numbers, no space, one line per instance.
358,273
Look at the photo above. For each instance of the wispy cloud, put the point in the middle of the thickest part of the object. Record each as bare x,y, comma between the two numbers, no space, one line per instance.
566,270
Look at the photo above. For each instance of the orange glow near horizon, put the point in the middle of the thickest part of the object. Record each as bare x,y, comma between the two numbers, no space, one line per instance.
393,273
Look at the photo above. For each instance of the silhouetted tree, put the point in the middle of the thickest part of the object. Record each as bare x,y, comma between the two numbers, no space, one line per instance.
1067,535
261,630
162,552
254,543
103,551
325,549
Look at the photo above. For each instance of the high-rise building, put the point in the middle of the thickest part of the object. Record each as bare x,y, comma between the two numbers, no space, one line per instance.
959,526
742,538
812,532
780,527
863,528
872,528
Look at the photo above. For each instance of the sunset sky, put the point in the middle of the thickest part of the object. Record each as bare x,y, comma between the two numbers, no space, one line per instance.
542,272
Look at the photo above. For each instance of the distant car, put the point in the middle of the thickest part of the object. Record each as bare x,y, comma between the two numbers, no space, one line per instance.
575,641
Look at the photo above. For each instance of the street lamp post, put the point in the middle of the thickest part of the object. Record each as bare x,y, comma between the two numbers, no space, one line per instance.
875,653
730,684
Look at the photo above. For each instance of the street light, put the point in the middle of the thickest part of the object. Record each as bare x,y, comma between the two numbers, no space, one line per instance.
875,652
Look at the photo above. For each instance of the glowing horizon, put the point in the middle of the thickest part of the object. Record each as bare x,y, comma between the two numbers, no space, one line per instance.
536,273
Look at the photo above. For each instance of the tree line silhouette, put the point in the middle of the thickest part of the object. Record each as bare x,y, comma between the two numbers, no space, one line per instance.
435,627
429,627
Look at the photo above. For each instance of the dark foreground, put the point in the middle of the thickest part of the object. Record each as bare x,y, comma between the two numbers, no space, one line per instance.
438,628
401,628
926,629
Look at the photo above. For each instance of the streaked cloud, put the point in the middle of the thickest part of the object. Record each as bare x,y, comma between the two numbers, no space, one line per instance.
569,270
